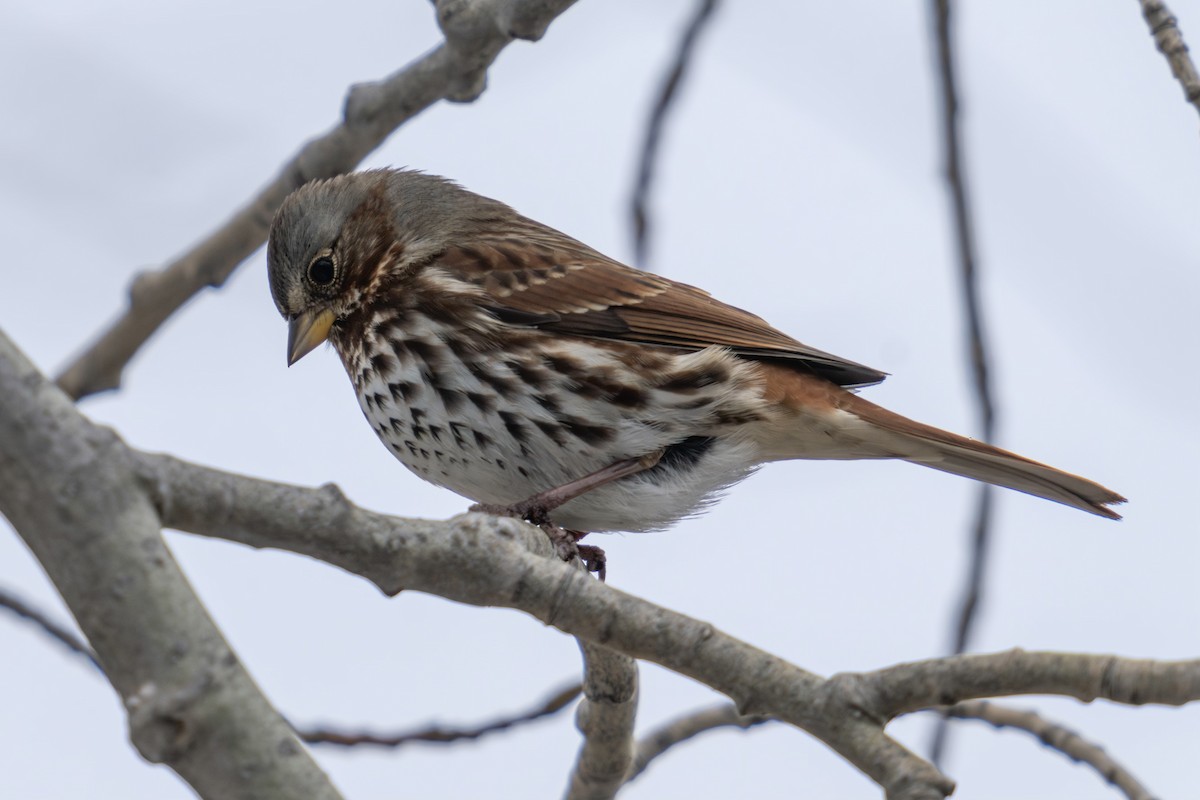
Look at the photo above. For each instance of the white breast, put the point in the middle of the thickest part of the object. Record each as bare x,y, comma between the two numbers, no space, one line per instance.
500,426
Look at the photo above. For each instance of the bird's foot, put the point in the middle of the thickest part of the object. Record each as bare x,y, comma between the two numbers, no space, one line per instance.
536,509
567,546
566,542
594,559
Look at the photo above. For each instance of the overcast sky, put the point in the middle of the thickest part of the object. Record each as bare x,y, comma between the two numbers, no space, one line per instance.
799,179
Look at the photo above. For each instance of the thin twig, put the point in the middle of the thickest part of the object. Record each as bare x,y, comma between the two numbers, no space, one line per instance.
654,128
456,70
1055,737
919,685
59,633
1169,40
444,735
965,239
677,731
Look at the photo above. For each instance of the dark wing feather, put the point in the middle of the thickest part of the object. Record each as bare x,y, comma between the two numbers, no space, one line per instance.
546,280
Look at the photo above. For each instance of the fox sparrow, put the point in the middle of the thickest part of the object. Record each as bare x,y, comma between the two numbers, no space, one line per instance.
520,368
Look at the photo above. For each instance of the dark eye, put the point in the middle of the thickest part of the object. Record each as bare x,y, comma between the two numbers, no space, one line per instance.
321,271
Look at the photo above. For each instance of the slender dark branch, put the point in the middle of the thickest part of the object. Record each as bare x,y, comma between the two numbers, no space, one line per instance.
1055,737
443,735
677,731
1169,40
59,633
654,128
964,227
976,568
956,184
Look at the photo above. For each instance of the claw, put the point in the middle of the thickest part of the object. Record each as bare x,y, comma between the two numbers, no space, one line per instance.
566,543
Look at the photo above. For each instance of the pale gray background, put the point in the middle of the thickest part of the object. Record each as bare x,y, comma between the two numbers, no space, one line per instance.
800,179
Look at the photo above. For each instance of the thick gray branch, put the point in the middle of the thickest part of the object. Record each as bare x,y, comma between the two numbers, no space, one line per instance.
476,31
944,681
847,712
88,504
605,718
67,487
443,558
1055,736
648,159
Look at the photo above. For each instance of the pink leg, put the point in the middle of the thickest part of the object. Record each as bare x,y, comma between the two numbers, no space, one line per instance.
536,509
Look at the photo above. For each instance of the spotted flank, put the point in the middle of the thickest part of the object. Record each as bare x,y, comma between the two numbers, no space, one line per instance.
498,426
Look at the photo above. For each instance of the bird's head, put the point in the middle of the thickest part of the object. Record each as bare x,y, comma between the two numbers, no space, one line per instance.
334,242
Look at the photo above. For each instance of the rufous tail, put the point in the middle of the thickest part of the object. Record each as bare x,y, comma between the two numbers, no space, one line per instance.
949,452
857,428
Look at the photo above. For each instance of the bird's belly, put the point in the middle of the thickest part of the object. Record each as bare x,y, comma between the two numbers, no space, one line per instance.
499,430
491,448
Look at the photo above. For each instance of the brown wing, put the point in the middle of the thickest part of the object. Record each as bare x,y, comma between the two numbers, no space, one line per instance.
544,279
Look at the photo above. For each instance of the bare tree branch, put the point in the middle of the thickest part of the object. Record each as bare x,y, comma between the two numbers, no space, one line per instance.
439,734
1169,40
654,128
475,30
956,184
59,633
86,503
605,718
67,487
519,572
662,739
1056,737
918,685
846,711
964,226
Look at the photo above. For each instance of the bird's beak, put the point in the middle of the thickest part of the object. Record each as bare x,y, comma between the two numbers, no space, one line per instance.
306,331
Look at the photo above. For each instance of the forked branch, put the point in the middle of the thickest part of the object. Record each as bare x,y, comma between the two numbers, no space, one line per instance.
61,474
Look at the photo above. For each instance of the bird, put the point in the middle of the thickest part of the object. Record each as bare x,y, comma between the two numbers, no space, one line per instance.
510,363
